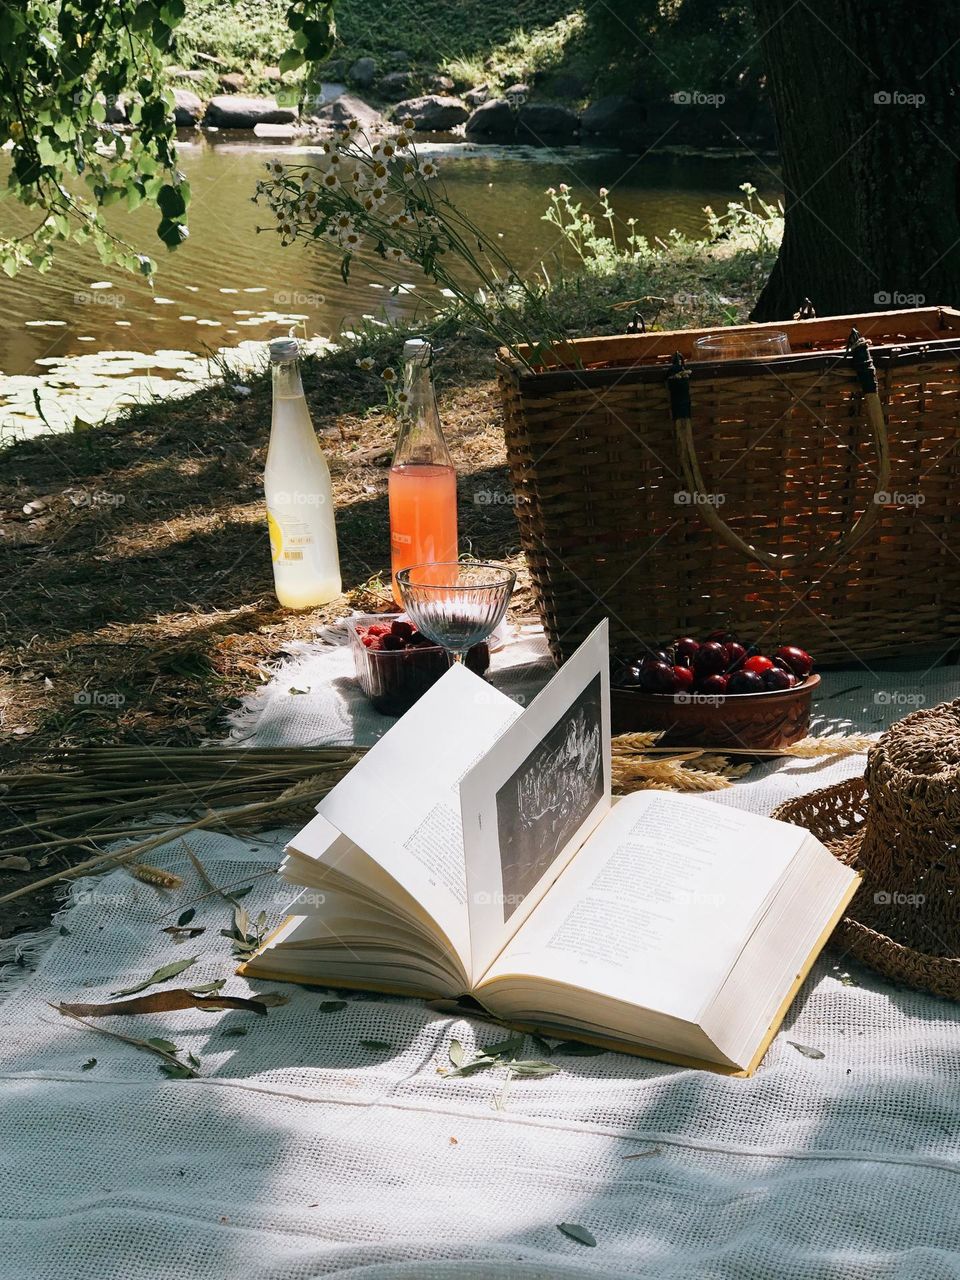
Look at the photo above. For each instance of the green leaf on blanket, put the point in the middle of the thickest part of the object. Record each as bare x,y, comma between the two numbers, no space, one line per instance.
378,1046
577,1049
208,988
578,1233
165,1046
533,1069
178,1071
179,935
331,1006
89,1064
470,1068
505,1049
235,1031
163,974
806,1050
456,1052
185,917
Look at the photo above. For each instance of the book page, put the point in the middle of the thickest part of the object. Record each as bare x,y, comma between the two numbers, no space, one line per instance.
658,905
530,803
401,802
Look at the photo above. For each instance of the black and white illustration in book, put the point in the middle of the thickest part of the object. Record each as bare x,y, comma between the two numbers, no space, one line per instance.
549,795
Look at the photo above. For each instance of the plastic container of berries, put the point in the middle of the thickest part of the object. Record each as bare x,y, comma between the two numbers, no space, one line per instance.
716,693
395,665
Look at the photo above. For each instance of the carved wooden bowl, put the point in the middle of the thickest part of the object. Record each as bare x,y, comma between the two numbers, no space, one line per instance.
750,721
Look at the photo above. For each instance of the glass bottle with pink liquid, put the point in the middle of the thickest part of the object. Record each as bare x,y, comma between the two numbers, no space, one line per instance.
423,482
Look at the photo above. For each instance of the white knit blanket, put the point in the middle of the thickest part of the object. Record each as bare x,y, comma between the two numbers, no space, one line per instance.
303,1152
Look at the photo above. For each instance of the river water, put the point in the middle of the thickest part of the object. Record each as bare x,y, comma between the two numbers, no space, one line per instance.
228,285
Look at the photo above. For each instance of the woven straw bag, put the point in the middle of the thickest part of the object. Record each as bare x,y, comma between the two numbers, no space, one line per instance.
791,501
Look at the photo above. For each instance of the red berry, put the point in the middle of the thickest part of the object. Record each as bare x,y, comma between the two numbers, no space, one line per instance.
716,685
372,642
797,660
709,660
685,648
745,682
378,629
658,677
684,678
733,654
402,630
758,663
776,679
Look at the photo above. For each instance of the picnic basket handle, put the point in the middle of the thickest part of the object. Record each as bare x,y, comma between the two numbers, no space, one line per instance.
678,383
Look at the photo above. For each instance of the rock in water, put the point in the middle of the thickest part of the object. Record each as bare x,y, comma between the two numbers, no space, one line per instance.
612,117
188,108
347,107
235,111
433,112
543,122
494,120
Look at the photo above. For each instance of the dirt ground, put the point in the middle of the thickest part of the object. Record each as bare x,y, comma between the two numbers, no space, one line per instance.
137,602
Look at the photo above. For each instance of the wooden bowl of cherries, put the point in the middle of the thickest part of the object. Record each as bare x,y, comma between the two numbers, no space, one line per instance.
716,692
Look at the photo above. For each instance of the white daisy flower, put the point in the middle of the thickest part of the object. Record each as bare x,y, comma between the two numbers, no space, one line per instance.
343,221
388,149
365,363
396,255
351,240
378,169
274,168
401,140
428,169
403,398
389,375
307,182
352,127
330,181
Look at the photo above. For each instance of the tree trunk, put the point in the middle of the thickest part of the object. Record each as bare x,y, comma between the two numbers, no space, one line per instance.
867,100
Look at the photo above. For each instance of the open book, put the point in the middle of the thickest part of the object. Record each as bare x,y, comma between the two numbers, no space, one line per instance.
476,849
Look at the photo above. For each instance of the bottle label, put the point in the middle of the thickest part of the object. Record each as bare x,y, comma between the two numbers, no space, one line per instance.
290,540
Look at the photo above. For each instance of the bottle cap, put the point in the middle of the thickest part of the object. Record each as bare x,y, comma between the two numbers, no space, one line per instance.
416,349
283,349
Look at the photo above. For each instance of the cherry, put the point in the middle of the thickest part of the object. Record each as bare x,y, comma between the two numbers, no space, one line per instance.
745,682
775,678
658,677
733,654
402,630
631,677
721,636
686,648
780,662
709,659
715,685
656,655
757,663
684,678
798,660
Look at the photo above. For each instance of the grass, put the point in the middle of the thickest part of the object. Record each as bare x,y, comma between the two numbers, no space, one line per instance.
472,41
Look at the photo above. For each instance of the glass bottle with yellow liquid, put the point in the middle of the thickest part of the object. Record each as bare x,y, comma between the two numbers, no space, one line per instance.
423,482
296,481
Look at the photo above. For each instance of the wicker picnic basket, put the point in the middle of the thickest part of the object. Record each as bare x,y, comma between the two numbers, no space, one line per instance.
801,497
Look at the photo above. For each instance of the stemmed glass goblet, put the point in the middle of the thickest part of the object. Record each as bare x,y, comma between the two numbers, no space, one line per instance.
456,603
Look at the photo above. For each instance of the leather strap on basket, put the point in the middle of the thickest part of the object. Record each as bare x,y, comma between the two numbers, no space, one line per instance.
678,383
